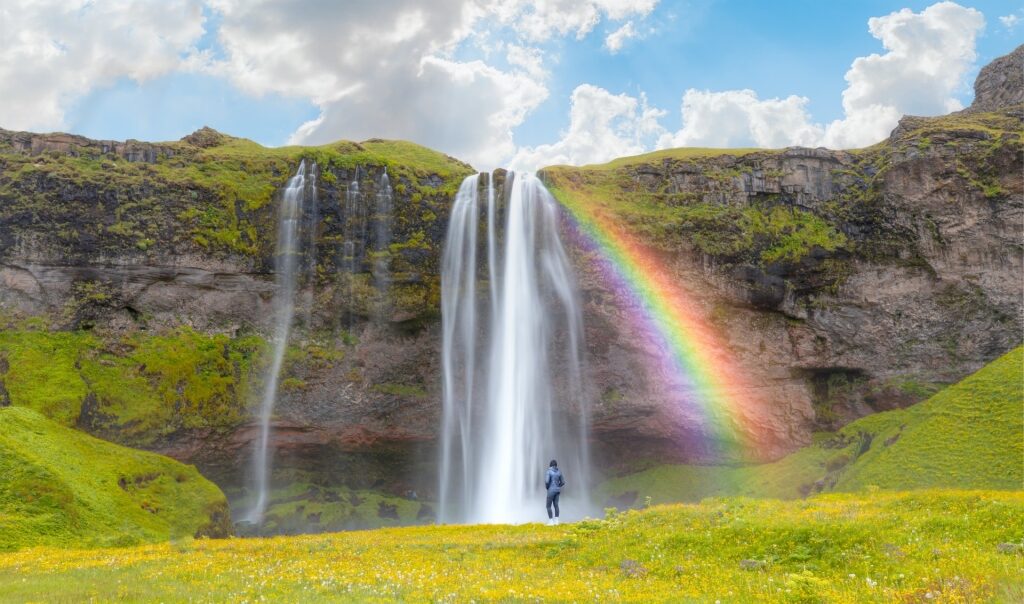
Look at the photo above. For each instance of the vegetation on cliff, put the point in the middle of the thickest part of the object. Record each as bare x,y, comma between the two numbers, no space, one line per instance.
132,387
208,192
967,436
945,546
767,208
61,487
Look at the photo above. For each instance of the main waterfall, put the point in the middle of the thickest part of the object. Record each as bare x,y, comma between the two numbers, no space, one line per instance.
300,189
513,396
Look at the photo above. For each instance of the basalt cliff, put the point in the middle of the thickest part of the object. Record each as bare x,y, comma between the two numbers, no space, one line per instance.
136,288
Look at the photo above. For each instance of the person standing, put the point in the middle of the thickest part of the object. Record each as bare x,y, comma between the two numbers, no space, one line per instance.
553,482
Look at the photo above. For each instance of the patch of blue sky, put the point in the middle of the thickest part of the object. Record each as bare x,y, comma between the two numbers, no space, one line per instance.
174,105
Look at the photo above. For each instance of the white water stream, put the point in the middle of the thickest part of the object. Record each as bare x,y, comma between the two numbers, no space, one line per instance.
300,190
506,361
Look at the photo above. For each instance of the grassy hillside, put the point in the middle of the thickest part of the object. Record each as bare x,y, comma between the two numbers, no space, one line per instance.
968,436
910,547
61,487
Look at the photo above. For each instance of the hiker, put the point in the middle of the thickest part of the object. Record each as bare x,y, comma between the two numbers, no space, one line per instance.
553,482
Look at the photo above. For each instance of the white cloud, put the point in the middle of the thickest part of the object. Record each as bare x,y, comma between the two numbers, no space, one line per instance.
383,69
615,40
1009,21
737,118
55,51
386,68
929,54
602,126
540,20
529,59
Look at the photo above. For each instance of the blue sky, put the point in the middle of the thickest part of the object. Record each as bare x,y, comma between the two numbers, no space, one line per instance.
775,48
313,71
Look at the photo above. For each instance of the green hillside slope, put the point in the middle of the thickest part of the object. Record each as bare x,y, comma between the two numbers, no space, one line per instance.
968,436
59,486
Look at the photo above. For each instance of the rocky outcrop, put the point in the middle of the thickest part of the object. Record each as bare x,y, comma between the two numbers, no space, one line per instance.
1000,84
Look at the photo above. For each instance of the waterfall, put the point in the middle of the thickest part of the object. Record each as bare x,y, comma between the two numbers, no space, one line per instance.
308,250
350,247
300,189
505,417
382,242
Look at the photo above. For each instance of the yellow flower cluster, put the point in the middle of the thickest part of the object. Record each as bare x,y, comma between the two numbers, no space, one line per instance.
928,546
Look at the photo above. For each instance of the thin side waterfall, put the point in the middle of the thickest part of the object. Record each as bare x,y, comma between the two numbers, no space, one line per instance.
311,212
382,241
504,418
299,190
350,249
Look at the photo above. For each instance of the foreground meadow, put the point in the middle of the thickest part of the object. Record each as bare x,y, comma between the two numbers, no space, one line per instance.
925,546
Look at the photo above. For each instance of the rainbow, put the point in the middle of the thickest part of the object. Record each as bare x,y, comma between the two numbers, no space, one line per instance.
695,367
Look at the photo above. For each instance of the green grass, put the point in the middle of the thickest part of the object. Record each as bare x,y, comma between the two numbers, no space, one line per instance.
969,436
61,487
943,546
678,154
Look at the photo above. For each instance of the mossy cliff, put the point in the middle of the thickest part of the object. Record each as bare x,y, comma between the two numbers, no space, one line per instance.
137,285
138,292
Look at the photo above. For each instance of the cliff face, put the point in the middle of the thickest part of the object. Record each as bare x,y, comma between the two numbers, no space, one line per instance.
138,280
842,283
136,283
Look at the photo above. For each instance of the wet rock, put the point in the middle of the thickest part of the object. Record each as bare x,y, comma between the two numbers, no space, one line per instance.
426,513
1010,548
751,564
387,510
632,569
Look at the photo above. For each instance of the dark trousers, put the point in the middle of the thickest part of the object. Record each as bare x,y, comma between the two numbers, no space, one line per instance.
552,501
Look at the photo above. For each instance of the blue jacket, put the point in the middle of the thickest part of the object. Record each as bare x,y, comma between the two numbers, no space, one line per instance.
551,480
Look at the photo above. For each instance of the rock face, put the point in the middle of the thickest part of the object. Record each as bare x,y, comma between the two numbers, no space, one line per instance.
923,289
1000,83
841,283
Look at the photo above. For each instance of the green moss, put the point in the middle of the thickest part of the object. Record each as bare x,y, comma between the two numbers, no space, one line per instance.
61,487
143,385
42,373
305,507
679,154
970,435
757,234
